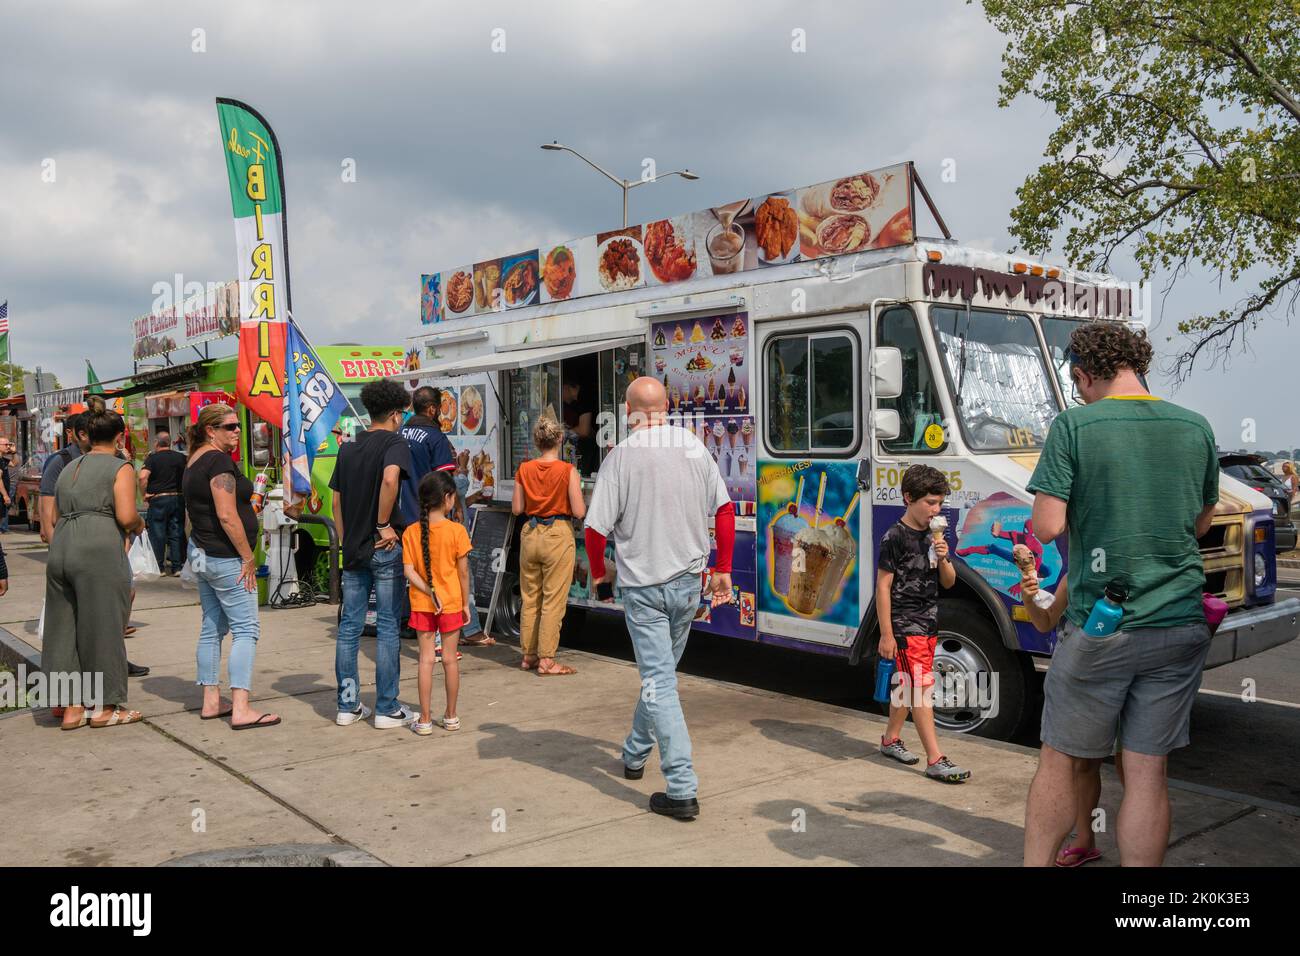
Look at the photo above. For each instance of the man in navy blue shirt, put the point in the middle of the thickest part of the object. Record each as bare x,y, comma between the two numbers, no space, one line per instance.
430,451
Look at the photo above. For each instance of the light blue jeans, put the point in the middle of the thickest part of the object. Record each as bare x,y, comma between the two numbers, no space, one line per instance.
227,607
659,621
386,577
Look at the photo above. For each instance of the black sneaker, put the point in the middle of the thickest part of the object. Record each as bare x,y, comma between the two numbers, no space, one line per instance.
630,774
135,670
680,809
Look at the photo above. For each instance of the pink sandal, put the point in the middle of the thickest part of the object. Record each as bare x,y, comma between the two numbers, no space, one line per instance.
1077,856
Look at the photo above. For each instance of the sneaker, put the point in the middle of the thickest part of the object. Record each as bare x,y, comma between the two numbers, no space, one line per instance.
900,753
947,771
449,724
401,718
346,717
423,730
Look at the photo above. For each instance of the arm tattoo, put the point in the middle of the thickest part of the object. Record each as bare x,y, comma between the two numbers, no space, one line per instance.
224,483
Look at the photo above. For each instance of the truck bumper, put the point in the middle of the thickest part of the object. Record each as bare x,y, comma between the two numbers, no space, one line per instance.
1252,630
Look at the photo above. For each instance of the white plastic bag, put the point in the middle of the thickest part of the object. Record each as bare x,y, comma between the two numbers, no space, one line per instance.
188,579
40,625
143,563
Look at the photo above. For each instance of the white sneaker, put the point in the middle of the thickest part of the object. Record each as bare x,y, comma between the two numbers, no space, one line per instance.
346,717
448,723
402,718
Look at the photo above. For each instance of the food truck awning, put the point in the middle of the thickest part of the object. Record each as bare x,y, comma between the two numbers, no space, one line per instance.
515,358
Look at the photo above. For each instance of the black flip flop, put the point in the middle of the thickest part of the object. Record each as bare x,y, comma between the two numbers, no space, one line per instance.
224,713
260,722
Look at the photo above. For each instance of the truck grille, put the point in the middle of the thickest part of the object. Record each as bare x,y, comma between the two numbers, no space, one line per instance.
1221,551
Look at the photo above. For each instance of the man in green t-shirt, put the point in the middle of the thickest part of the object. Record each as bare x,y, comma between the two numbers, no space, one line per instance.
1134,480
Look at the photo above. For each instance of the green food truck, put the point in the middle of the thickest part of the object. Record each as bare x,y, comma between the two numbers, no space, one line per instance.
168,398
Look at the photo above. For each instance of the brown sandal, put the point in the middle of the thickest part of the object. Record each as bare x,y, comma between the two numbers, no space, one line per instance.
557,670
119,717
525,666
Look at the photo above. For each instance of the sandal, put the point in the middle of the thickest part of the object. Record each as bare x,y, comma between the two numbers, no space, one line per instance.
557,670
118,717
1077,856
525,666
130,630
260,722
85,719
224,713
486,641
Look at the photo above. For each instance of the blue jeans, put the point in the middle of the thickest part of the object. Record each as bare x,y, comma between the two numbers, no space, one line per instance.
385,576
227,607
167,529
659,621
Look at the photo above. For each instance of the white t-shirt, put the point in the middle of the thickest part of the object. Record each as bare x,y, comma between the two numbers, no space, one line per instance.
655,494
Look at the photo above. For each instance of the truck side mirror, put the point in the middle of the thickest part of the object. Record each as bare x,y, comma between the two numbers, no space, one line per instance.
887,372
885,424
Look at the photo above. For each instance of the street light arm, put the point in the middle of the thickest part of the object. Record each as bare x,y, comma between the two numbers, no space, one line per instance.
600,169
675,172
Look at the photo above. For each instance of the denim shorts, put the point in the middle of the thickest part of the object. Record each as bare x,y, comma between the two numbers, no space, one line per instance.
1144,681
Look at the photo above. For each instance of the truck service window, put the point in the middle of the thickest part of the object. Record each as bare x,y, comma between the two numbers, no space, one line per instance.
995,367
918,407
812,393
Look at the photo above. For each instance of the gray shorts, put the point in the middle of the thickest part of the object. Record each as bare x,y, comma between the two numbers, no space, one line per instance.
1146,679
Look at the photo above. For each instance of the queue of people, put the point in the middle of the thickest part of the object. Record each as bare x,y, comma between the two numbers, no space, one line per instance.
400,515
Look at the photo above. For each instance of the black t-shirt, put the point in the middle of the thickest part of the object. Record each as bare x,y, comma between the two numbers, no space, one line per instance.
205,526
587,450
914,597
165,471
358,475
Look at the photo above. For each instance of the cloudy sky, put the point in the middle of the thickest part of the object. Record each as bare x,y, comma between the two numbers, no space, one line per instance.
444,133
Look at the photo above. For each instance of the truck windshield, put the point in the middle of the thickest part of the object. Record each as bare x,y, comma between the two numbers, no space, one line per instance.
1056,332
995,368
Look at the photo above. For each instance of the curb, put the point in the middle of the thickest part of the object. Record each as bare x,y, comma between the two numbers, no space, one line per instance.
14,651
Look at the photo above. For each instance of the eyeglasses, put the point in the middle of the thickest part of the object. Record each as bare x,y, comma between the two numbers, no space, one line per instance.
229,426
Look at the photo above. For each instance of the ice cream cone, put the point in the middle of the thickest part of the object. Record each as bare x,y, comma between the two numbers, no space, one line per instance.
1025,561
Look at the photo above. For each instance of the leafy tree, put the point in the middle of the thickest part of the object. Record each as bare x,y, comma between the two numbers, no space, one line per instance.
1178,138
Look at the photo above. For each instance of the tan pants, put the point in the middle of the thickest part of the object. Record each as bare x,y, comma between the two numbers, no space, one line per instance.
546,556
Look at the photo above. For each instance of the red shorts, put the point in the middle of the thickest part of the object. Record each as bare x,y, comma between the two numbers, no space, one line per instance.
915,659
429,622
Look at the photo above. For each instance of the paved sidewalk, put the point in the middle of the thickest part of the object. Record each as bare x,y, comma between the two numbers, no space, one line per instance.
532,778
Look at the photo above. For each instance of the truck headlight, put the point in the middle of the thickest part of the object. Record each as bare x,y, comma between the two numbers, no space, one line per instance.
1261,570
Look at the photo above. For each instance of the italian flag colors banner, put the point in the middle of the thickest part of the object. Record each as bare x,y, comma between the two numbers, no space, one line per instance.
257,197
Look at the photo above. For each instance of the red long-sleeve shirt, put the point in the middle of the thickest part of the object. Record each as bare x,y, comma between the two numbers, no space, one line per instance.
724,525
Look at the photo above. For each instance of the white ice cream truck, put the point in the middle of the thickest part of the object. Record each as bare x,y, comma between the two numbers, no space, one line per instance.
818,349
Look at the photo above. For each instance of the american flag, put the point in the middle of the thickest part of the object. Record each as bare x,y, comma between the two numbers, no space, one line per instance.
4,317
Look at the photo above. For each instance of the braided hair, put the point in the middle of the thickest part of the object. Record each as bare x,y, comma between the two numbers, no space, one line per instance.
435,487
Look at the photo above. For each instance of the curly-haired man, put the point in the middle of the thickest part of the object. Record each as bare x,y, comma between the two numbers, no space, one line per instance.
1135,480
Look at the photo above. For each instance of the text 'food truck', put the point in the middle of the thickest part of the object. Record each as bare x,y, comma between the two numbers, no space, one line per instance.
817,348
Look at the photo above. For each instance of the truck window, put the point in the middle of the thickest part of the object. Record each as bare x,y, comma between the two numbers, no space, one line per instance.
812,393
918,407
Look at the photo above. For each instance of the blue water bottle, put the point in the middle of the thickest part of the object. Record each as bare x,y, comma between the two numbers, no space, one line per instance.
1108,610
884,676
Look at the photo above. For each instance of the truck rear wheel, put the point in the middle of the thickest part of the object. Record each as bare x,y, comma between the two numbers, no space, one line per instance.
968,655
510,603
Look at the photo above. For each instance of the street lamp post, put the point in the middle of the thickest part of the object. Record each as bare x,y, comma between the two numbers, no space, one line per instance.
624,184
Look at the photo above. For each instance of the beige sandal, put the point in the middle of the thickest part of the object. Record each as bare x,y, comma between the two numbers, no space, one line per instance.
119,716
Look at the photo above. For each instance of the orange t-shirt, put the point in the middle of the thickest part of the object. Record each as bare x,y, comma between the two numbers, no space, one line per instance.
448,543
546,487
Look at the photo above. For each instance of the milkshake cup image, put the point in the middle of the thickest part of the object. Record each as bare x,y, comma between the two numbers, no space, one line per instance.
938,525
806,583
844,549
744,463
726,464
787,527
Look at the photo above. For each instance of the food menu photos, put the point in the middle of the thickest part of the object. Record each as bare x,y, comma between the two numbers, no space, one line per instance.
468,416
865,210
704,365
531,390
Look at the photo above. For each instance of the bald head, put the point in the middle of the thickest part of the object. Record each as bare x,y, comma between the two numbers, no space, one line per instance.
647,395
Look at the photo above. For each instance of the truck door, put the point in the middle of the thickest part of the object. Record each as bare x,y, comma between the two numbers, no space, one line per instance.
811,527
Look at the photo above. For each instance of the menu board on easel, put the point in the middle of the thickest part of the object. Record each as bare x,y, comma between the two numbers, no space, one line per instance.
490,540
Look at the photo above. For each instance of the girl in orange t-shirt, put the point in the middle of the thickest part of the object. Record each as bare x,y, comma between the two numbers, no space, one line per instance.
435,556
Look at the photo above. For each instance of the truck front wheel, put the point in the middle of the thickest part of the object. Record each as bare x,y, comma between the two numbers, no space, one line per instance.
510,603
981,687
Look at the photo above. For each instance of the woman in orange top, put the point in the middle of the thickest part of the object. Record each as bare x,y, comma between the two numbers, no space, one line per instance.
435,556
549,492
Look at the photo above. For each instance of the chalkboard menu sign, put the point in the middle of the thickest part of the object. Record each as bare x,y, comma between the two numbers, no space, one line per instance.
490,536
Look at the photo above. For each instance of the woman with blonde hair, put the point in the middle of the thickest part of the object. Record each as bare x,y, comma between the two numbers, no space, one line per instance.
223,532
1290,479
548,493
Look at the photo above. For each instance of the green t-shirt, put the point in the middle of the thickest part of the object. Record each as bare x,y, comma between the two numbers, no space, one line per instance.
1135,472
